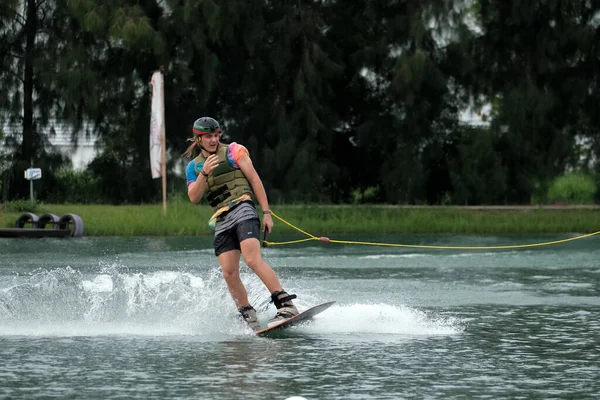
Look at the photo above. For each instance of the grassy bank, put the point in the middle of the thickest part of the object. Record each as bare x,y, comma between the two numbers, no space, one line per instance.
184,218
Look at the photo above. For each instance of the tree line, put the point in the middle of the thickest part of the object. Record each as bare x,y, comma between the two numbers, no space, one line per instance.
337,101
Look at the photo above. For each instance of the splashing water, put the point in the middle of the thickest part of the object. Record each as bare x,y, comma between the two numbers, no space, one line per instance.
66,302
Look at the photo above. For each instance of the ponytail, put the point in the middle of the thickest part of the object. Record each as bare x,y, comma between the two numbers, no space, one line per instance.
190,152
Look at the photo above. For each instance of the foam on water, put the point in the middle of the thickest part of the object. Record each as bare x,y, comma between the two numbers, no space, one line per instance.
383,256
381,319
65,302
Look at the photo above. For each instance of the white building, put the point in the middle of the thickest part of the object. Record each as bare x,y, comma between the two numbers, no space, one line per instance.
81,152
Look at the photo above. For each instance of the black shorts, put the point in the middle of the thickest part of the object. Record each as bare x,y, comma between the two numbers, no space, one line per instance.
231,238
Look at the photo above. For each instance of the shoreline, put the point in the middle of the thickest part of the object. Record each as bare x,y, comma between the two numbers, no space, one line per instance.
186,219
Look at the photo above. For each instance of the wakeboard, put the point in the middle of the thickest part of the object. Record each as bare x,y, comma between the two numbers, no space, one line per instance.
304,316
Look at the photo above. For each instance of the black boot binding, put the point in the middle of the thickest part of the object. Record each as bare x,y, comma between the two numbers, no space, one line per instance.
249,315
285,307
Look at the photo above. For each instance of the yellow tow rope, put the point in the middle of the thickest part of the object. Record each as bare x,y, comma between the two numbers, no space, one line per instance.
325,239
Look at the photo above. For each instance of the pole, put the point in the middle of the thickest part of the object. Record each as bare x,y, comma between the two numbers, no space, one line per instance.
31,183
163,146
163,168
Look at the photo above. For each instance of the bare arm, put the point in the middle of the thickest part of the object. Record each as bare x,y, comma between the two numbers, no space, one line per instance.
196,189
245,164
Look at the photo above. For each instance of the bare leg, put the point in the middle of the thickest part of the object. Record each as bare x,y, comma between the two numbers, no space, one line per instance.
230,265
251,252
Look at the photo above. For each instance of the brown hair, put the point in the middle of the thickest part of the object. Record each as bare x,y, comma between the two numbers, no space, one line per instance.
190,152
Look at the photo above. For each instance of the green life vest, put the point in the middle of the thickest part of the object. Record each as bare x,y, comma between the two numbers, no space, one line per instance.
225,183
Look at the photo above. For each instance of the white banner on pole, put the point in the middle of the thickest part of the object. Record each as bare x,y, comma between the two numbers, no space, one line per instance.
157,125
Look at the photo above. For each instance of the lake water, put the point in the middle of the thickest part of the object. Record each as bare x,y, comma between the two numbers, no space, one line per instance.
150,318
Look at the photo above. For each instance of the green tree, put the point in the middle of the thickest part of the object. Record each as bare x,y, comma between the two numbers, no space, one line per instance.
296,115
475,168
535,60
83,63
27,38
123,50
401,90
263,69
207,45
